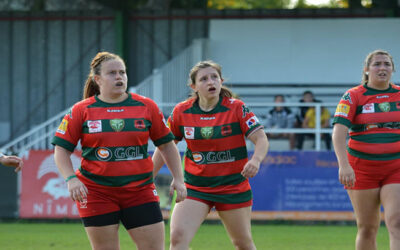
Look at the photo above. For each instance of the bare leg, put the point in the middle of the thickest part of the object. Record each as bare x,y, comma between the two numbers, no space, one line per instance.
186,220
103,238
390,196
238,224
149,236
366,204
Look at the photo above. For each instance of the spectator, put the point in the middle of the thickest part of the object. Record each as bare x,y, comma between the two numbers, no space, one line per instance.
308,96
281,117
306,119
309,122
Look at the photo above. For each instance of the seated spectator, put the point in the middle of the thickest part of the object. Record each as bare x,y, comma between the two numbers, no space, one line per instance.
308,96
280,117
309,122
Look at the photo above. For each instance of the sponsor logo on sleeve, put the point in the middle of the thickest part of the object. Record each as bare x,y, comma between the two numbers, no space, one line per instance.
347,97
368,108
342,110
252,121
63,127
94,126
189,132
70,113
245,111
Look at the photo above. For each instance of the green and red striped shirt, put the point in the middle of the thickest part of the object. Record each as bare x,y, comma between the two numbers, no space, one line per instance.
373,117
114,139
216,149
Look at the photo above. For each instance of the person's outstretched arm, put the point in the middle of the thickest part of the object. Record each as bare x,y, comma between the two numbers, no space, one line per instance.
169,154
11,161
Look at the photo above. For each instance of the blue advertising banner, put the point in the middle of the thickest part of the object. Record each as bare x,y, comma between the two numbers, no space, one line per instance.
299,181
298,185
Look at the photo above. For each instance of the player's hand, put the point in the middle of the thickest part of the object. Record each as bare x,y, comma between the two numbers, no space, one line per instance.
251,168
347,176
180,188
12,161
77,190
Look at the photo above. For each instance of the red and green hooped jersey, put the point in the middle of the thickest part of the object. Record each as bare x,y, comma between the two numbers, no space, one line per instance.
373,117
114,139
216,149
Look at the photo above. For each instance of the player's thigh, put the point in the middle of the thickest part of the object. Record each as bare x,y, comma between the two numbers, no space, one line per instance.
103,237
149,236
366,205
237,222
187,217
390,197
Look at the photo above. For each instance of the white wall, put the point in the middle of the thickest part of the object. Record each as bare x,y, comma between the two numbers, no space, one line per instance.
301,50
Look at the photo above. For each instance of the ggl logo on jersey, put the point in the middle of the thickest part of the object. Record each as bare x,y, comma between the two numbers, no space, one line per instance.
212,157
103,154
120,154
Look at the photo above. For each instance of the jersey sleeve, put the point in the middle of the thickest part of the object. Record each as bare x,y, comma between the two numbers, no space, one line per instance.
173,124
159,131
69,131
346,109
247,119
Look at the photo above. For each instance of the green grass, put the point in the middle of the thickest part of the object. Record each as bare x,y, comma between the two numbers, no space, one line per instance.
60,236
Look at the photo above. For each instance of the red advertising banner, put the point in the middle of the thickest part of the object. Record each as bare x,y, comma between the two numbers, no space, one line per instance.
44,193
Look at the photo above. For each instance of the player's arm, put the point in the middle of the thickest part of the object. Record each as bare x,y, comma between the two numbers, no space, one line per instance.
346,172
76,188
11,161
261,146
168,153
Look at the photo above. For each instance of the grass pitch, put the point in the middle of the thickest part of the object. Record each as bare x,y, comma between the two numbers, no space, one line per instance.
71,235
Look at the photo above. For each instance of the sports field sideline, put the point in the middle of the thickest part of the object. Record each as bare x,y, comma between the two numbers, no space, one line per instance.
211,236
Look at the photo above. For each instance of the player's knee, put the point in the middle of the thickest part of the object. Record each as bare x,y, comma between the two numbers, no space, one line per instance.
393,225
368,231
177,236
243,244
105,246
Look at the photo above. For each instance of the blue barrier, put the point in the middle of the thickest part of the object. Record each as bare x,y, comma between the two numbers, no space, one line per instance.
299,181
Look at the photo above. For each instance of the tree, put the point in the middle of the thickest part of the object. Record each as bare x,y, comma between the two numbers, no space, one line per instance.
248,4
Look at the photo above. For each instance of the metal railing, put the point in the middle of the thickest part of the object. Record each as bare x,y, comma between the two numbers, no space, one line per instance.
39,138
168,83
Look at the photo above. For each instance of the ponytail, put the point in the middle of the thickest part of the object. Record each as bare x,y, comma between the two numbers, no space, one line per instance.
91,88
